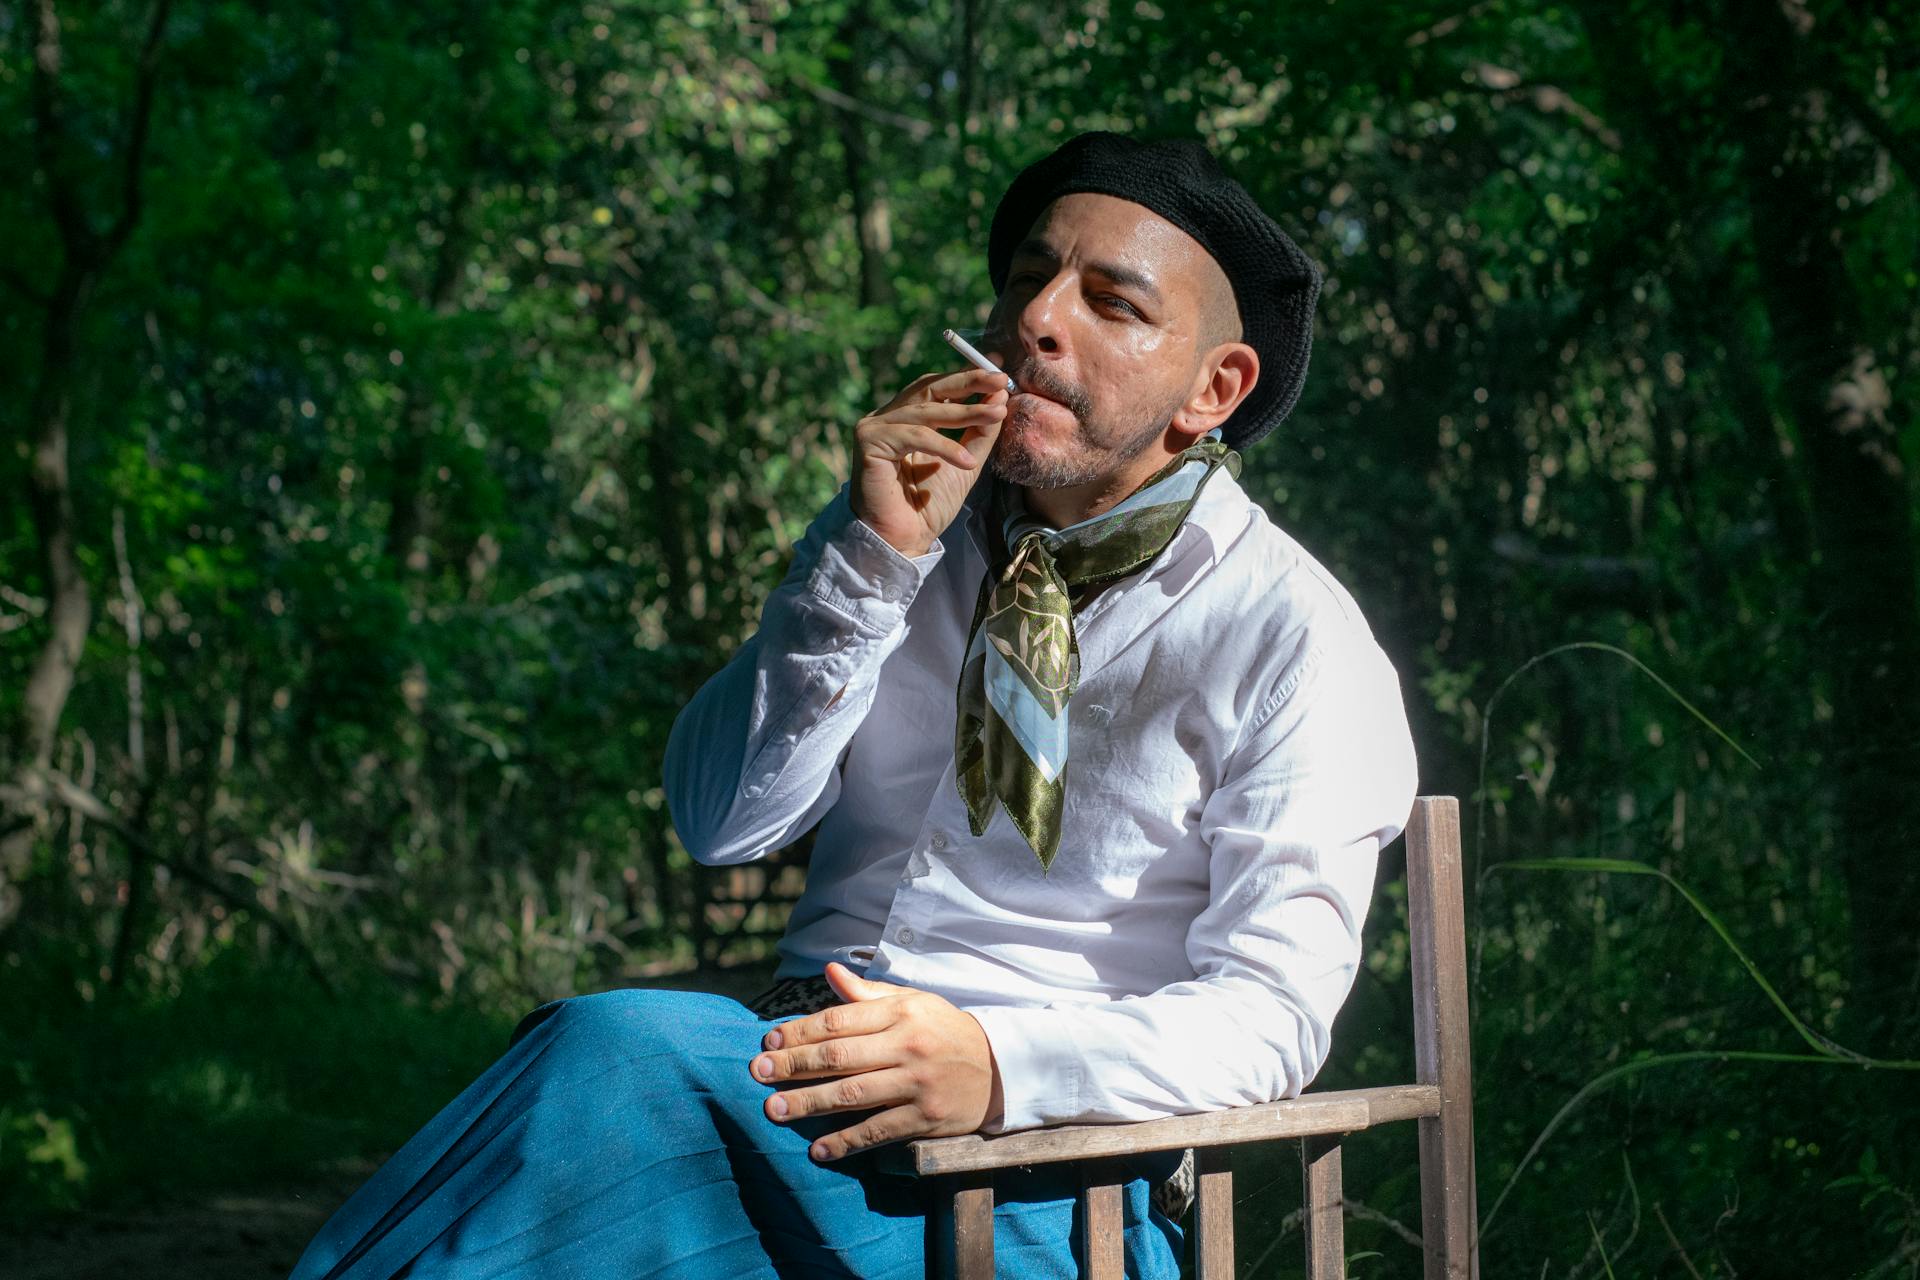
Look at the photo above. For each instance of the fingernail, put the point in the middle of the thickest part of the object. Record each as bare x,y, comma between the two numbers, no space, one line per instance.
763,1067
819,1151
778,1106
772,1041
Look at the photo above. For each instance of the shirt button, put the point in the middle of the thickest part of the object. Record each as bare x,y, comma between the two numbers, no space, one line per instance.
890,593
939,840
752,790
905,935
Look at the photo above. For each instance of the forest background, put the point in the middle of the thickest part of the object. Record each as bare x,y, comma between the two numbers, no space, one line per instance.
407,406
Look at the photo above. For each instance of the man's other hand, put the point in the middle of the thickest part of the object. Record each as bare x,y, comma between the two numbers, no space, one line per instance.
908,479
923,1062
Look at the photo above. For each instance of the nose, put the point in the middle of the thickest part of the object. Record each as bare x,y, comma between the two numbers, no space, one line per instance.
1039,324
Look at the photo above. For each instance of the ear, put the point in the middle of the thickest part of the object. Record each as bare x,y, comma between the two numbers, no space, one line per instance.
1226,378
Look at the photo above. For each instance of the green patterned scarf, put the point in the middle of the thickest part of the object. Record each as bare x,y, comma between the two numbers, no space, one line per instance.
1023,661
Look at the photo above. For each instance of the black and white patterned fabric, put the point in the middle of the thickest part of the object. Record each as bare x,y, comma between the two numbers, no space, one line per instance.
790,996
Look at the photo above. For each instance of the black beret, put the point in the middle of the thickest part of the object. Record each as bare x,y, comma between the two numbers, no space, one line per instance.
1274,283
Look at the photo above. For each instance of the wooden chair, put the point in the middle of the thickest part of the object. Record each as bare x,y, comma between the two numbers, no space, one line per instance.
1441,1099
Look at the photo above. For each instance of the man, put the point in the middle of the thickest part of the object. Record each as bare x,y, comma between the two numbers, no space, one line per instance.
1101,762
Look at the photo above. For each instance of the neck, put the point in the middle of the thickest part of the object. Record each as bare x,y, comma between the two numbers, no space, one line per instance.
1073,503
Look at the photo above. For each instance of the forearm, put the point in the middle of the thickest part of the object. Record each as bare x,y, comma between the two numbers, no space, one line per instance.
1194,1046
752,759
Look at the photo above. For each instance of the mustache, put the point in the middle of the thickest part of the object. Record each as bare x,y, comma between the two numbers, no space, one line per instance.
1033,374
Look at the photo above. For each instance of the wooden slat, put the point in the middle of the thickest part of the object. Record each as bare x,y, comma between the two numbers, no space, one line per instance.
973,1229
1326,1209
1442,1052
1213,1214
1387,1103
1343,1111
1103,1224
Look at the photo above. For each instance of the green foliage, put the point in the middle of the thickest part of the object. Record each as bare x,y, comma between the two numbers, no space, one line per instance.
469,373
240,1077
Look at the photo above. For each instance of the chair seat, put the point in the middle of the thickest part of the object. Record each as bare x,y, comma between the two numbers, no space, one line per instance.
1333,1112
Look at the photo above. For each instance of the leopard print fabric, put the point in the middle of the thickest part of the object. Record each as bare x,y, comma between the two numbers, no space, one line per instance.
800,996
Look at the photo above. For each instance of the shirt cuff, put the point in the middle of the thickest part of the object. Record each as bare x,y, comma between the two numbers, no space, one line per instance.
1039,1080
860,574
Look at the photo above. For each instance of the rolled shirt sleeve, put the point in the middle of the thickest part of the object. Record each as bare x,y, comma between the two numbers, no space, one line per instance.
1322,778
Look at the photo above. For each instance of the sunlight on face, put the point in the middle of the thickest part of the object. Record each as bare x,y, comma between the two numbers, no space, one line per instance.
1107,313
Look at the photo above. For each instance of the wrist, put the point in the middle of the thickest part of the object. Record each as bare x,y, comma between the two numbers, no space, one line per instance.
910,547
996,1097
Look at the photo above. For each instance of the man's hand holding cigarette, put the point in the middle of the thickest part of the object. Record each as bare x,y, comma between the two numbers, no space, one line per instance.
908,479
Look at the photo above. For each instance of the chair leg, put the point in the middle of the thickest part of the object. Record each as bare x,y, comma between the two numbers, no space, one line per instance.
1442,1050
1103,1220
1326,1209
1450,1211
972,1227
1213,1214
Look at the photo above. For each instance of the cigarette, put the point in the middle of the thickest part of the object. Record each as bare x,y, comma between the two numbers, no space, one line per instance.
965,348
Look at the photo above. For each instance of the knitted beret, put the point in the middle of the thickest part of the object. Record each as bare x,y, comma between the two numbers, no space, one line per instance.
1274,283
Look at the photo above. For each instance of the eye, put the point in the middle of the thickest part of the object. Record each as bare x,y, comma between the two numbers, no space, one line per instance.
1108,300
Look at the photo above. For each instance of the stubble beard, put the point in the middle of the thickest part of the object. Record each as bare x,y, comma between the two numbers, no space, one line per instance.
1095,452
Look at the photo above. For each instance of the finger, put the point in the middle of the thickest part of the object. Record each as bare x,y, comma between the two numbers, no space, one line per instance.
836,1057
862,1092
888,1126
828,1024
898,439
849,985
968,382
978,441
944,414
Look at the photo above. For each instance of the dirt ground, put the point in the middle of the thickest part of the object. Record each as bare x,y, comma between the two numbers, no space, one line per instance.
251,1235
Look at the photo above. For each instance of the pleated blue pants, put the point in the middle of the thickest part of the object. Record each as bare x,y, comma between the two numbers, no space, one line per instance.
621,1136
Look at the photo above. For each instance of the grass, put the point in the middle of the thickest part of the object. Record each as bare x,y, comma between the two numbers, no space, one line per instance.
246,1077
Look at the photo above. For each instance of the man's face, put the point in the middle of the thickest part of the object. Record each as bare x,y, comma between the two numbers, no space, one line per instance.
1101,324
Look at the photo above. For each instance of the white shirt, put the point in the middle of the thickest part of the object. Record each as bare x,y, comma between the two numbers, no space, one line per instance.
1238,754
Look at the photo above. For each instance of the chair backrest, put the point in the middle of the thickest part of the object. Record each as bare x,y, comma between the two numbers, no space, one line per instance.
1440,1099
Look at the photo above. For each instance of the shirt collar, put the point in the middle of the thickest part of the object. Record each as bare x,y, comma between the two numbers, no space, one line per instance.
1217,517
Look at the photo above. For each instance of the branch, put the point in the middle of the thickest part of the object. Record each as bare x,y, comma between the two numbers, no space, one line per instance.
33,606
917,129
1604,573
1901,149
138,130
83,245
51,784
1505,83
1448,25
48,129
24,286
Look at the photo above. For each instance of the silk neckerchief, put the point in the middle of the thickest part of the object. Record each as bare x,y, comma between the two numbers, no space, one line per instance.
1023,659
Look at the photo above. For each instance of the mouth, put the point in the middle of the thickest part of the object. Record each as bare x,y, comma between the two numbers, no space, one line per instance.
1028,389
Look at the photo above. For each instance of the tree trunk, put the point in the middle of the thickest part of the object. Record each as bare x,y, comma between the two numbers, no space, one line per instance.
1863,525
872,214
86,254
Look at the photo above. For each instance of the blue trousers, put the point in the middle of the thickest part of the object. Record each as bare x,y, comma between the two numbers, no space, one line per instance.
622,1136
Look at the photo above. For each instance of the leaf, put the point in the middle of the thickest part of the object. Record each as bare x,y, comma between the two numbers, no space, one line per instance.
1830,1052
1628,866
